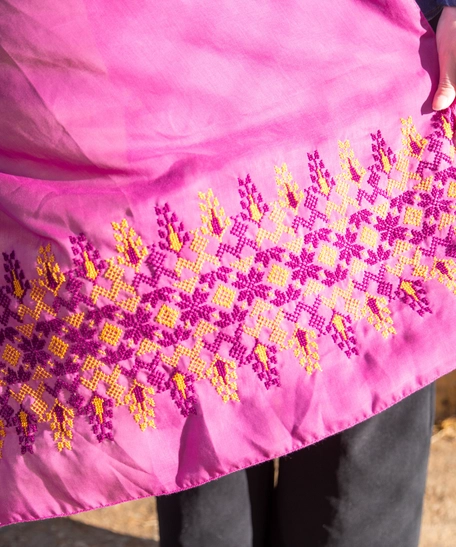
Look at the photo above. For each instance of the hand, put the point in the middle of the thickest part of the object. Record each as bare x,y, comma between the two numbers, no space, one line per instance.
446,48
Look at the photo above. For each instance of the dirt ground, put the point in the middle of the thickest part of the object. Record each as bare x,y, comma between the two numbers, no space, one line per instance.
134,524
439,519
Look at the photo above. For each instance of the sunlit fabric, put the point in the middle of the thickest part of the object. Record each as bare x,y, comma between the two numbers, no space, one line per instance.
227,231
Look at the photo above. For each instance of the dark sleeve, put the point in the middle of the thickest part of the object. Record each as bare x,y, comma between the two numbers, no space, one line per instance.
432,8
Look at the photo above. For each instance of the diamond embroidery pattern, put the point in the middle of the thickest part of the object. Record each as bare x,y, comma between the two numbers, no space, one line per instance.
214,302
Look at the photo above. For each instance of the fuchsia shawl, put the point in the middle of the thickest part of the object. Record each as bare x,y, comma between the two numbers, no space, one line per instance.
227,231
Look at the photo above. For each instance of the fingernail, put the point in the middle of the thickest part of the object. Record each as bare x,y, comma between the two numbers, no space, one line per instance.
440,103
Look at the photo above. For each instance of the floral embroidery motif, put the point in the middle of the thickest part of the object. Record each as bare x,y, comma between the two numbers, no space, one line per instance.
222,300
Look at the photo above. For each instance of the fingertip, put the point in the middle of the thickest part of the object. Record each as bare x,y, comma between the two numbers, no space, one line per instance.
441,102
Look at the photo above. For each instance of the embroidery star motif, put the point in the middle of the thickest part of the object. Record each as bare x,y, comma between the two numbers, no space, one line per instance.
348,247
136,325
389,229
303,267
250,286
194,307
433,204
33,353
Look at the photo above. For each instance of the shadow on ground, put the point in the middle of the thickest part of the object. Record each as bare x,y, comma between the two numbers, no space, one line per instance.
63,532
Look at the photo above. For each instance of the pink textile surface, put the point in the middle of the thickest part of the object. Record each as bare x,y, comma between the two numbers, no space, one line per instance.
228,231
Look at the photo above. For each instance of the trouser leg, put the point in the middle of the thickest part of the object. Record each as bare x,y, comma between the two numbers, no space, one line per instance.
232,511
361,488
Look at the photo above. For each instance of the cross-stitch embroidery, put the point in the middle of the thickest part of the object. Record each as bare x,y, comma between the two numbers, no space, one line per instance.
211,303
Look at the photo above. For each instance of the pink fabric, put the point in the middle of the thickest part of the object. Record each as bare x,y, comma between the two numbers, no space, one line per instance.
238,308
